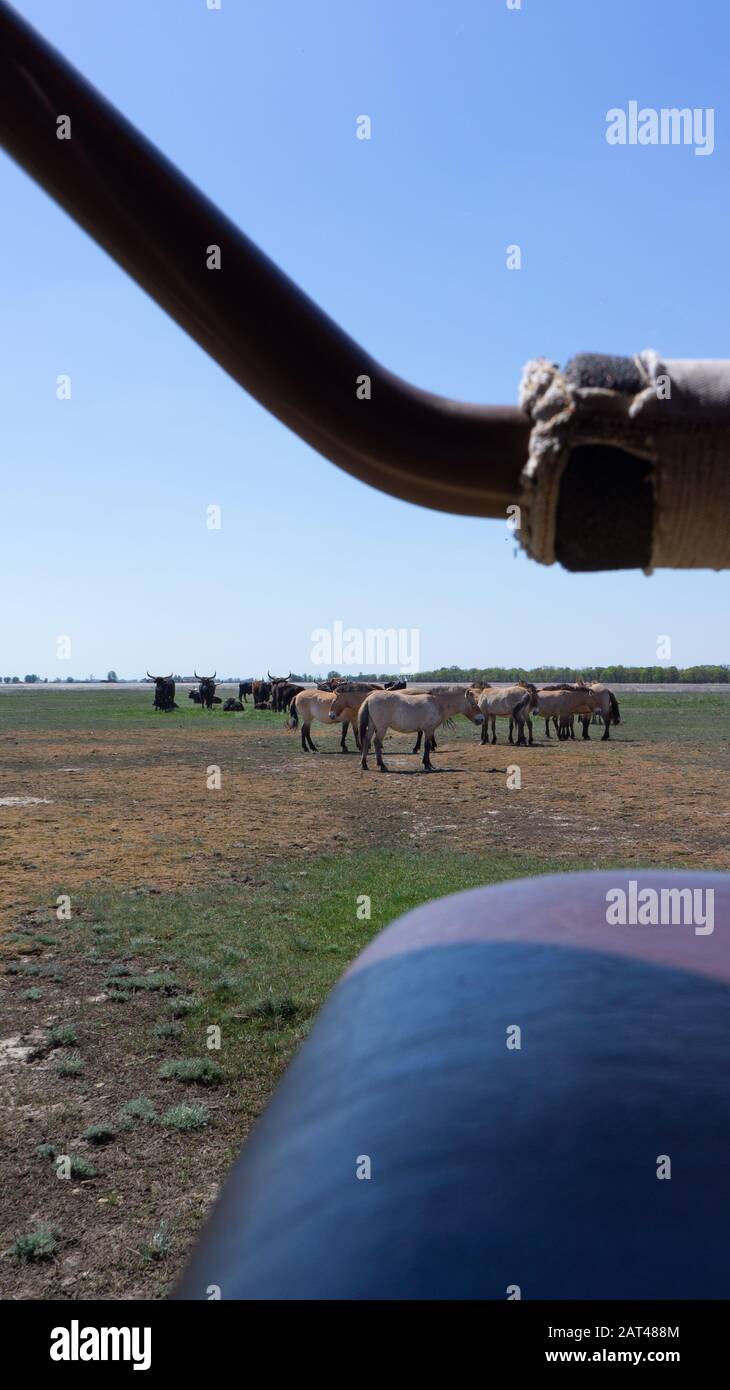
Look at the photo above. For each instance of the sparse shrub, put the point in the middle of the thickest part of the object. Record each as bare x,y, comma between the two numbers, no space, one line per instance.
275,1010
33,993
79,1167
169,1029
159,1246
160,979
185,1117
45,1151
185,1005
141,1108
193,1069
118,996
73,1065
116,970
62,1035
40,1244
99,1134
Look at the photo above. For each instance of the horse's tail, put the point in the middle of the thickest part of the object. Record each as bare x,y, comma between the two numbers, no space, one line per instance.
293,720
615,713
363,720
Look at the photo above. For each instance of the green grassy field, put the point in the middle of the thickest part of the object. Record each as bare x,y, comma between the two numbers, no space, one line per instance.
698,716
125,991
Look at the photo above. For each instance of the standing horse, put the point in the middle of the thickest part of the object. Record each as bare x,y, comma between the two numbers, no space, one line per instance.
385,709
317,704
514,702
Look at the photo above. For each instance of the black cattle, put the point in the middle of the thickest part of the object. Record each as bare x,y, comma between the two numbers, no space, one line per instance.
164,693
194,695
261,691
231,705
245,688
283,695
207,690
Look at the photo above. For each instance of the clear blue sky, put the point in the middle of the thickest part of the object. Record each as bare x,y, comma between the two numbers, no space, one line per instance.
488,129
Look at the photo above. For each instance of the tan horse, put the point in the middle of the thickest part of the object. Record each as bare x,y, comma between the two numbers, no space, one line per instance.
309,705
385,709
513,702
608,709
562,703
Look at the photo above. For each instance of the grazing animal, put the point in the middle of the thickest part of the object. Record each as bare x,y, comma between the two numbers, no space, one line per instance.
317,704
283,693
207,690
164,693
560,702
195,696
245,688
231,705
261,692
608,710
515,702
388,709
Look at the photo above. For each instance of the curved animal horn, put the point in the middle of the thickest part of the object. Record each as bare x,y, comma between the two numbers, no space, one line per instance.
152,678
197,677
215,673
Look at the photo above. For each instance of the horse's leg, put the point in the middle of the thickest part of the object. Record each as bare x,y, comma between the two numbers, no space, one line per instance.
304,738
434,744
379,752
365,748
520,722
343,736
547,728
485,730
310,741
528,721
571,726
494,728
585,721
511,729
417,745
427,765
607,722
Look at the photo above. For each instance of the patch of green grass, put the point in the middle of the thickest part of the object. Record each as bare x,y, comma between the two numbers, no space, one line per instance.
159,1246
23,967
33,993
118,996
61,1035
78,1166
73,1065
140,1108
185,1117
274,1011
184,1005
170,1028
49,940
200,1070
45,1151
37,1245
99,1134
157,980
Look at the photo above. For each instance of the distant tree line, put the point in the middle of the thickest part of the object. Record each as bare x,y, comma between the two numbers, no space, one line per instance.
645,675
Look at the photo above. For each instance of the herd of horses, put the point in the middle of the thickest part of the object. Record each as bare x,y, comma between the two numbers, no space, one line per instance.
371,708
